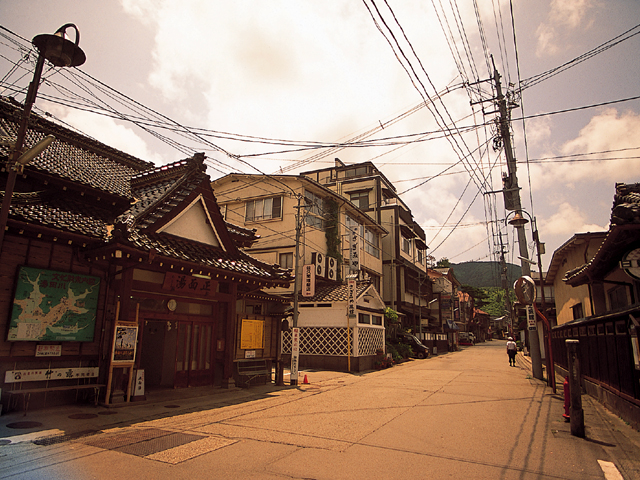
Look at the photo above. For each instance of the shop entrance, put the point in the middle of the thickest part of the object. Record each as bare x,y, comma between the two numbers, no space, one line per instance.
194,354
159,352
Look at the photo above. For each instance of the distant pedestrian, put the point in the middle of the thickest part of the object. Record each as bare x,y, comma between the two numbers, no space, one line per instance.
512,349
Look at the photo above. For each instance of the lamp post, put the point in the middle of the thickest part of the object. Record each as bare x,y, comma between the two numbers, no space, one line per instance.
519,222
61,52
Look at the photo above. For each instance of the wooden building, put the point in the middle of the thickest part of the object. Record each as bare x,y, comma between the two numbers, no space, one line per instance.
111,265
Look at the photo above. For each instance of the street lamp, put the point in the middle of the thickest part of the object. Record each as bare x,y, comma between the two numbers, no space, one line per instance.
61,52
519,221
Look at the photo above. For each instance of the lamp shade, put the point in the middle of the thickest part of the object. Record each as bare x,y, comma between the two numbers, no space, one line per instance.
60,51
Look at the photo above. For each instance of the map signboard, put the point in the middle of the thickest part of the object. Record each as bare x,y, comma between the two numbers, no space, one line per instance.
53,306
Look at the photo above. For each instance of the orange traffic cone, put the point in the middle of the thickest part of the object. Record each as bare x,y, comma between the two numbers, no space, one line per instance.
305,381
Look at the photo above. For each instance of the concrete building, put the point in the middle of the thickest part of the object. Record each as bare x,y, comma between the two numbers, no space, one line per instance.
336,239
406,287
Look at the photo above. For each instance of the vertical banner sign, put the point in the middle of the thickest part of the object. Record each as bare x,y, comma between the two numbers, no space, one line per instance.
354,250
531,318
351,298
295,352
308,281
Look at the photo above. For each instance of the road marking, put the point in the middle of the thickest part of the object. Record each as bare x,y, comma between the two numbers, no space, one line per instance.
610,471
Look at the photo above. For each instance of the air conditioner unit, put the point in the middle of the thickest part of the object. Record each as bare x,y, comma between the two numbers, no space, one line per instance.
320,264
332,269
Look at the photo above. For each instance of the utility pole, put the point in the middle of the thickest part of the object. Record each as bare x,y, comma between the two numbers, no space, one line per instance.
293,379
512,202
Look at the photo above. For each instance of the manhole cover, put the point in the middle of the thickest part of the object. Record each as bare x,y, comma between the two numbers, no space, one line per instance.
24,425
107,412
172,406
83,416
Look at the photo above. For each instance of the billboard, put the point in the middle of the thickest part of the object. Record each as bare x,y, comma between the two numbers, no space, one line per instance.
53,306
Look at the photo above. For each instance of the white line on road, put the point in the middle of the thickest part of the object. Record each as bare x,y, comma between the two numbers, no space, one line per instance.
610,471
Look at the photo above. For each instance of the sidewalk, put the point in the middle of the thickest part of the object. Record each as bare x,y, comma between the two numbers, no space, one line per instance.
70,421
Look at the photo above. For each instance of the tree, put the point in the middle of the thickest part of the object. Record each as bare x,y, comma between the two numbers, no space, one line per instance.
443,263
479,295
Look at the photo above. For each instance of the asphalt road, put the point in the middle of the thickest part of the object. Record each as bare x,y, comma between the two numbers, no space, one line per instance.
463,415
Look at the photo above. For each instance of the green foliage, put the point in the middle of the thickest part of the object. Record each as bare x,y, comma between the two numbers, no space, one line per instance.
404,350
395,355
480,298
332,233
495,298
391,315
443,263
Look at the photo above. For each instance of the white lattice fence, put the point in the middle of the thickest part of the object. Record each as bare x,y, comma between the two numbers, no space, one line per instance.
320,341
370,340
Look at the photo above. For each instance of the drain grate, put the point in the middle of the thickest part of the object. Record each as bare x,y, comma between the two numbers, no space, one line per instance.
160,444
141,441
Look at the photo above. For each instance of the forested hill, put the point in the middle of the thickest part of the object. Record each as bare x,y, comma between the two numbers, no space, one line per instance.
484,274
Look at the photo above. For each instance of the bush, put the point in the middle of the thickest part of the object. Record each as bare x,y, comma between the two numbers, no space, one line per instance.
404,350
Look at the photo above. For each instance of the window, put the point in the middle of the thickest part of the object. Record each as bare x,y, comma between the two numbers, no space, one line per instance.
577,311
618,297
376,319
406,245
286,260
371,243
263,209
360,199
364,318
421,257
355,172
315,211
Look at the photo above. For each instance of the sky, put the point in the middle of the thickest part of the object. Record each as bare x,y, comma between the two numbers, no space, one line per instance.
281,86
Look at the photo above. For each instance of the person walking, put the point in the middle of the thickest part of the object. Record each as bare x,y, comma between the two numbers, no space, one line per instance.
512,349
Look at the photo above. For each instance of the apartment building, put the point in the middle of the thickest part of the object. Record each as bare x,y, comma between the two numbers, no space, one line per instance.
336,240
405,285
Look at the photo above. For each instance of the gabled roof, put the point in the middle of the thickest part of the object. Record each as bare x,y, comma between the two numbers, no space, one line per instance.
624,234
63,194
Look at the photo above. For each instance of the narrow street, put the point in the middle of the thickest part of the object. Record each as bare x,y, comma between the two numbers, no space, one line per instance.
461,415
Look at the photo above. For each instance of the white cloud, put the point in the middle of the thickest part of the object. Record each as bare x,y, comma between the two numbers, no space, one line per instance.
567,220
565,17
610,132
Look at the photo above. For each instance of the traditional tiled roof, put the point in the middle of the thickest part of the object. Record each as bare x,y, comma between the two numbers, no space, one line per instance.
624,231
158,191
60,212
188,251
334,293
73,157
146,194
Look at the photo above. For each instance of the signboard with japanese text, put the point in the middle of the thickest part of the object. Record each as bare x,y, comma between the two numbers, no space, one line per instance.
17,376
308,281
48,350
354,250
295,352
351,298
531,318
180,283
53,306
251,334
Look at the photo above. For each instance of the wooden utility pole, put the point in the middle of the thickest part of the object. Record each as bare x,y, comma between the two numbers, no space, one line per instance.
512,202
